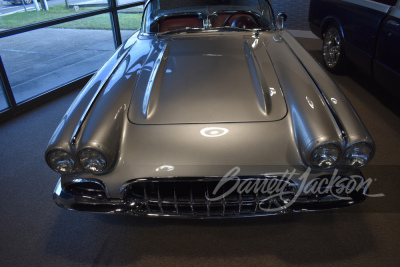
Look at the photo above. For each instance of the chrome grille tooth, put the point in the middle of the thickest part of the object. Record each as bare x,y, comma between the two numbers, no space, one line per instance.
240,202
146,199
159,198
191,202
175,199
257,202
223,200
270,203
207,201
275,202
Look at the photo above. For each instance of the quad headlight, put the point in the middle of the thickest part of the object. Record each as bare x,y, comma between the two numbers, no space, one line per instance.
358,155
60,161
325,156
92,160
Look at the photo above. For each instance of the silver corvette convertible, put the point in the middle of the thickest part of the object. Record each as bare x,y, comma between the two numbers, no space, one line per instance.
211,109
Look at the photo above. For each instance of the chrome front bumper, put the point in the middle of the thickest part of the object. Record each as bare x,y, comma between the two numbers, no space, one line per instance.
153,203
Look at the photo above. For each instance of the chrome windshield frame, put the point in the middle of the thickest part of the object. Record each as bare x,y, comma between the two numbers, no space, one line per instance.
206,17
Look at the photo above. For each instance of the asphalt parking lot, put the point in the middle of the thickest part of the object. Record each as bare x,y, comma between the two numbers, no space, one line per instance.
47,58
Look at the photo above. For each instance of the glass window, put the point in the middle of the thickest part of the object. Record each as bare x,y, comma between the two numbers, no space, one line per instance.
3,98
16,15
41,60
129,21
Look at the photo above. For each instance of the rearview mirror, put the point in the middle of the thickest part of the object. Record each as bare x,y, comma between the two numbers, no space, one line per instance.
281,18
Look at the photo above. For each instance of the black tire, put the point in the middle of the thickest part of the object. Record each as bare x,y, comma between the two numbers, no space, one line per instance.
332,50
27,2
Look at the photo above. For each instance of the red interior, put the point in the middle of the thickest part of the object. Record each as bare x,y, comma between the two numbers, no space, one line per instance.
180,23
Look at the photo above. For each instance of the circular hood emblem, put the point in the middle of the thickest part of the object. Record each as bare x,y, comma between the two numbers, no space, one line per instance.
213,131
167,168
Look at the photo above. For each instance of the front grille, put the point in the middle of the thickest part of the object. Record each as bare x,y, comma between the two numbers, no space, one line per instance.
194,197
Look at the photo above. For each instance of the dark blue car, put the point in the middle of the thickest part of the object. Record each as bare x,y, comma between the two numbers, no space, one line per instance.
365,32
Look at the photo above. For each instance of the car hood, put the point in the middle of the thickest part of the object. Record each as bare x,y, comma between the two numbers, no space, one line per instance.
207,80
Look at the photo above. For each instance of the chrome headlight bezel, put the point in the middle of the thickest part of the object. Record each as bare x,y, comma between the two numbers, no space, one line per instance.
66,162
324,152
354,150
92,160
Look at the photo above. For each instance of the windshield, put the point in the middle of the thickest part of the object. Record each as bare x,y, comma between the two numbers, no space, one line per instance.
164,16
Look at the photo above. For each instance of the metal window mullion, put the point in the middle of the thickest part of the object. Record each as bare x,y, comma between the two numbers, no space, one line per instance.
115,23
6,85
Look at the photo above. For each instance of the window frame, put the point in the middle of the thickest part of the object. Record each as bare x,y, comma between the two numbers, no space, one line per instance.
14,108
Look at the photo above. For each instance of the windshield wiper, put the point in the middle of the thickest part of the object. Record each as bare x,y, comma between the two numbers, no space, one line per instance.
229,28
186,30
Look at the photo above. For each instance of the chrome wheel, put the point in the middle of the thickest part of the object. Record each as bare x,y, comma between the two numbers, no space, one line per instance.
27,2
332,47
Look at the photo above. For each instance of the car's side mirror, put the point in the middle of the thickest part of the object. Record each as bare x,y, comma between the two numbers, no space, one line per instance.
281,18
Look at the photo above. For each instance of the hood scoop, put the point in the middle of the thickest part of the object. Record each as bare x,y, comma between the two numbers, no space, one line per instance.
207,80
